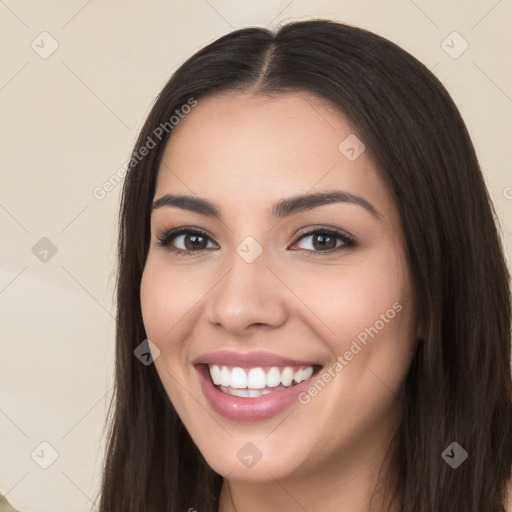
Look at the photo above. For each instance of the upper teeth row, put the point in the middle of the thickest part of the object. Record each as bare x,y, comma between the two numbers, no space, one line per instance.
257,378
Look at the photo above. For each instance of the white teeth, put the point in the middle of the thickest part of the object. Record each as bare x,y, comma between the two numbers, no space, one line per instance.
215,373
225,376
245,393
247,381
257,379
287,376
238,378
273,377
307,372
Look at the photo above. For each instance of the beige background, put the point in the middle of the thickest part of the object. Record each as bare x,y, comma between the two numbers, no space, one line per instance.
69,122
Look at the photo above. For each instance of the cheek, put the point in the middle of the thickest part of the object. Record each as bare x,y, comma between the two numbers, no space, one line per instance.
364,313
166,316
162,308
348,300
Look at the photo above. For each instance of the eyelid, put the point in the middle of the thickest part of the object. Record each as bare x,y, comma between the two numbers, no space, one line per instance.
167,235
348,239
310,230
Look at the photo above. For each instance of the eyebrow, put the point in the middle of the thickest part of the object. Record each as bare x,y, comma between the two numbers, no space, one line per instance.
281,209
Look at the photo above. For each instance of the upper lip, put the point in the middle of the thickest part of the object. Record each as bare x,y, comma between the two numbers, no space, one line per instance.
249,359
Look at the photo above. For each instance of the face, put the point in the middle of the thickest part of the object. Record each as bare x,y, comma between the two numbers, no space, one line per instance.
303,313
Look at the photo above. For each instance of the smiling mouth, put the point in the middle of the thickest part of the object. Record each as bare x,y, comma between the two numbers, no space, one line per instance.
257,381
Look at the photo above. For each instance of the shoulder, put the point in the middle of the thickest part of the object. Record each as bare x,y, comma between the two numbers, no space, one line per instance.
6,507
509,497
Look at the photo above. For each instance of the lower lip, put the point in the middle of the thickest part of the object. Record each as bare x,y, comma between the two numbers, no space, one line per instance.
238,408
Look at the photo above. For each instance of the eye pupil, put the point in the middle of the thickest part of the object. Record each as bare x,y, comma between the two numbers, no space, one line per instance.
323,245
195,241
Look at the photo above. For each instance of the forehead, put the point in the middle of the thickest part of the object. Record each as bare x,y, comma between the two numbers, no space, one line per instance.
249,150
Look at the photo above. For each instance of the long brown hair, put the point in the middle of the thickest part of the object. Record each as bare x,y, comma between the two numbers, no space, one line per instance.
459,386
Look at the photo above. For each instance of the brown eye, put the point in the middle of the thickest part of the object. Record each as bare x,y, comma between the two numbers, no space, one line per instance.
193,241
187,241
326,240
184,240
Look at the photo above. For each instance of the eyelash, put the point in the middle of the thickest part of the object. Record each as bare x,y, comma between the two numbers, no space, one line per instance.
165,238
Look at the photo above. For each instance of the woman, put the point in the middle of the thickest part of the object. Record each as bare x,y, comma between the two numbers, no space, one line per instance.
313,303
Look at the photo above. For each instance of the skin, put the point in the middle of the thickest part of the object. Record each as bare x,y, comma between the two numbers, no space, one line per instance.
244,152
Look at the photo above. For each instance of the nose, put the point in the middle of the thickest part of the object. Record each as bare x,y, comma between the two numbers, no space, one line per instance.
248,297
